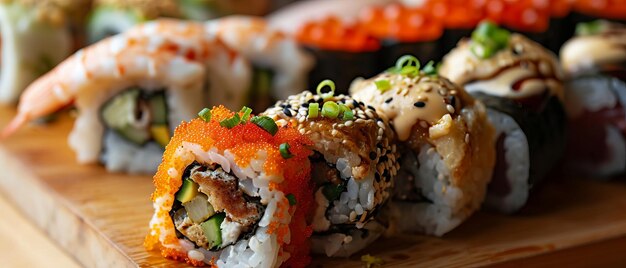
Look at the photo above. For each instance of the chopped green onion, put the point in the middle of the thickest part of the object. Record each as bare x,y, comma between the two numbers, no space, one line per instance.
488,39
407,60
265,123
292,199
284,150
348,115
231,122
409,70
382,85
590,28
314,109
330,109
482,51
430,68
329,94
205,114
246,113
371,261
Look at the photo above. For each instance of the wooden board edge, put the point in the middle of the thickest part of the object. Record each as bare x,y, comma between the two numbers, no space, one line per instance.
49,212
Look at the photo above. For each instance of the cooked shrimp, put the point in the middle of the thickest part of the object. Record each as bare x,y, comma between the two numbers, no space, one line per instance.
266,48
129,55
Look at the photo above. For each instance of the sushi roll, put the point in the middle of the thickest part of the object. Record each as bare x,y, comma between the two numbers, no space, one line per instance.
403,30
132,90
521,83
35,36
233,191
595,63
447,152
353,167
281,66
342,51
293,17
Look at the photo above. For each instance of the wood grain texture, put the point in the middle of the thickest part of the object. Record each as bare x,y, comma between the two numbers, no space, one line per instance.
101,218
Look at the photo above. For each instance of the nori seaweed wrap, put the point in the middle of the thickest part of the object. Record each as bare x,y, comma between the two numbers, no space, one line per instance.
521,83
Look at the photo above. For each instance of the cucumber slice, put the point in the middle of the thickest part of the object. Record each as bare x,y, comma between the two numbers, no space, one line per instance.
212,231
119,115
199,208
187,191
158,108
197,9
160,134
106,21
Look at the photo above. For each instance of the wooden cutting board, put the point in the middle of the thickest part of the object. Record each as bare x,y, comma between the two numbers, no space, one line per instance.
101,218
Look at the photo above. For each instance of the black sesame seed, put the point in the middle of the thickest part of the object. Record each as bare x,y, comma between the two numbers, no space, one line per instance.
287,112
452,101
383,158
419,104
386,175
370,107
311,101
388,100
361,103
306,105
355,103
377,177
372,155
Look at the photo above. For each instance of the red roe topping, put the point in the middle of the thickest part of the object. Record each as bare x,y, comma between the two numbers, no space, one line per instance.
244,141
402,23
456,14
612,9
333,34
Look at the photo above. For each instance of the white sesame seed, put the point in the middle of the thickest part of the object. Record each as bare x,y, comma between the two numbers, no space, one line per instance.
423,124
450,108
348,123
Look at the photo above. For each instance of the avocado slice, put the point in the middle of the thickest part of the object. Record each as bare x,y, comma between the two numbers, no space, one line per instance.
161,134
187,191
198,208
212,231
158,109
119,114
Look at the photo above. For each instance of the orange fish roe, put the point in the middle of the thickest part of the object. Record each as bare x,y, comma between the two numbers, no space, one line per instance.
244,141
611,9
333,34
401,23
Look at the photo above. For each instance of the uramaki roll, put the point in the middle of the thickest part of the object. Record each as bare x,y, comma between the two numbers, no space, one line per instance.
353,167
447,151
233,190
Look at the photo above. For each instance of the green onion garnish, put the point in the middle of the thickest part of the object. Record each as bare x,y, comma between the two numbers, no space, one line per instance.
330,109
246,114
382,85
590,28
329,94
231,122
409,71
205,114
265,123
407,60
292,199
284,150
348,115
488,39
314,109
430,68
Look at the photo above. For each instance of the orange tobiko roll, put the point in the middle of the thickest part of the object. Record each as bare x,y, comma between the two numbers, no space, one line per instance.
233,190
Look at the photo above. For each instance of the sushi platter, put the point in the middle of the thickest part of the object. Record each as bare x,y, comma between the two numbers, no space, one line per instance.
100,218
317,133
